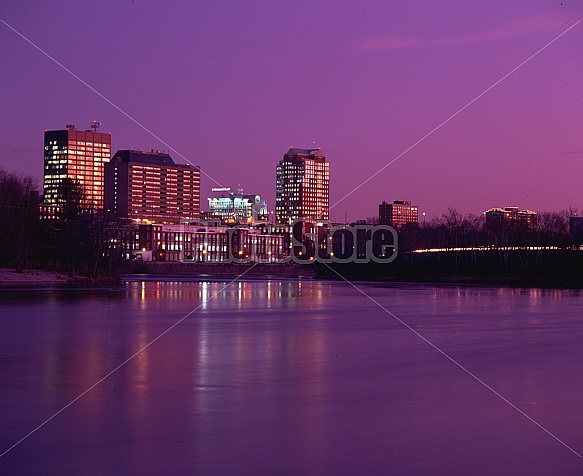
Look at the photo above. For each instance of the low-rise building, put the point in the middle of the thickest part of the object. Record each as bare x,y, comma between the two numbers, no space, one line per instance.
186,242
237,208
496,217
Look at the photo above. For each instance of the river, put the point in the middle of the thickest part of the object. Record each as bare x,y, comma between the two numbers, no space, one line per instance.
291,377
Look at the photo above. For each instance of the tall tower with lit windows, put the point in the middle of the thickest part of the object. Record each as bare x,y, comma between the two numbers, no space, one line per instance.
76,155
302,186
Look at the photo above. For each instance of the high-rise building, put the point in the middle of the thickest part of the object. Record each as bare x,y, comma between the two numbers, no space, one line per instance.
79,156
398,213
302,186
150,186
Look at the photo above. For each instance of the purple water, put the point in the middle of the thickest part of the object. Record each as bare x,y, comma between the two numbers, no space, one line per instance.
288,377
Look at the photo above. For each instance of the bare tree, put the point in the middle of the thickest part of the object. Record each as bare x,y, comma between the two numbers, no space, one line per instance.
18,218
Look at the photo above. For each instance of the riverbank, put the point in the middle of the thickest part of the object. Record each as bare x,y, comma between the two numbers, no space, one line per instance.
547,269
30,277
10,278
556,269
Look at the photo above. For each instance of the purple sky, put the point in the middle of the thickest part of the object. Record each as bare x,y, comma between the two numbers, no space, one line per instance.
232,85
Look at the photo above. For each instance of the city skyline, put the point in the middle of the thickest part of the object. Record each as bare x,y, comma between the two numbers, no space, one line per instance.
365,85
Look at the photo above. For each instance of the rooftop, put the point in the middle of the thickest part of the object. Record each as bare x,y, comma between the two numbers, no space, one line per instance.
312,153
154,157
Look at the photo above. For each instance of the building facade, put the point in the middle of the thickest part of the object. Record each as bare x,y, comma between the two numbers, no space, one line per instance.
150,186
398,214
302,186
238,208
496,217
79,156
221,244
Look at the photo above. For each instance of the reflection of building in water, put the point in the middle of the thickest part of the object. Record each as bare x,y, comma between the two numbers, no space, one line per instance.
155,242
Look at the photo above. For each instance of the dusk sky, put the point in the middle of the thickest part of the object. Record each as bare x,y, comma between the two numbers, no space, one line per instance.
231,85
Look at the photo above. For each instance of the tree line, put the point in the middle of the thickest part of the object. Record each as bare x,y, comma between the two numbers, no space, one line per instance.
463,248
456,230
79,242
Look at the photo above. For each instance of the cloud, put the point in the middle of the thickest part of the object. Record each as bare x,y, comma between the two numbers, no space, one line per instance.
534,24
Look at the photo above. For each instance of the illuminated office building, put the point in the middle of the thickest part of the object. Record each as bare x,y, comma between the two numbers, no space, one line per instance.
238,208
79,156
398,214
149,186
216,244
512,216
302,186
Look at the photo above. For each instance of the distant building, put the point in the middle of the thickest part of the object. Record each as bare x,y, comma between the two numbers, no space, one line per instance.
79,156
398,214
302,186
150,186
496,217
238,208
576,231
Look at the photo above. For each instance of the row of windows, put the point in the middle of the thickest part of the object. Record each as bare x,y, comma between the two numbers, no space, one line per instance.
90,143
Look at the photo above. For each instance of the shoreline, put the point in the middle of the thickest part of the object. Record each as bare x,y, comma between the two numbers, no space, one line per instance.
31,277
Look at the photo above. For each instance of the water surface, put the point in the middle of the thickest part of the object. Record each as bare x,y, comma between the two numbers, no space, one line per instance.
291,377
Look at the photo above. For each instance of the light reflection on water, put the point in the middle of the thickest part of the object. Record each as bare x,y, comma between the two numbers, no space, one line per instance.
236,293
289,377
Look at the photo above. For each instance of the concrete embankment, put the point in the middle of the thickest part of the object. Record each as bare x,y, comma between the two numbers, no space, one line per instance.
288,270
